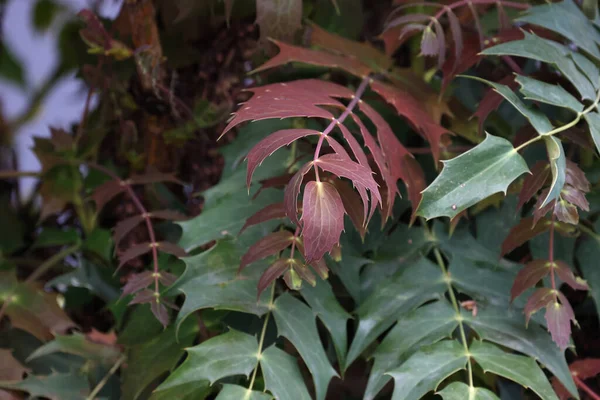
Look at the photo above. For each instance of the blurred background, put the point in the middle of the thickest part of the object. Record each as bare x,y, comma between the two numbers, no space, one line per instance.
38,89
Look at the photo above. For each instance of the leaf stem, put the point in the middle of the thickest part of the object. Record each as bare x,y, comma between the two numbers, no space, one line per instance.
106,377
551,257
18,174
261,341
581,385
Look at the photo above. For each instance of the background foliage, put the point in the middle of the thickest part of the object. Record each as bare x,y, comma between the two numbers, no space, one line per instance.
418,221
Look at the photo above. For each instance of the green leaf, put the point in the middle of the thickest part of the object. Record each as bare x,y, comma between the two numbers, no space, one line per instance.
323,303
536,118
228,354
235,392
196,390
55,237
96,279
520,369
67,386
423,326
593,120
469,178
590,8
506,327
213,223
558,165
211,280
44,14
411,287
425,369
460,391
11,68
149,360
282,375
567,19
296,322
588,254
78,344
547,93
536,48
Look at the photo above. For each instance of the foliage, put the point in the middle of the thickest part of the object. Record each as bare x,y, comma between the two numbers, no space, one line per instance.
153,279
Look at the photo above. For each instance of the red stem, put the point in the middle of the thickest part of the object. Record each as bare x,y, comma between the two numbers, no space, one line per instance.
551,255
462,3
294,242
581,385
142,210
340,120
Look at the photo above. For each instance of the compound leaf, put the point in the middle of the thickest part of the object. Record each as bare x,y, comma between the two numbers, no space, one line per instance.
460,391
282,375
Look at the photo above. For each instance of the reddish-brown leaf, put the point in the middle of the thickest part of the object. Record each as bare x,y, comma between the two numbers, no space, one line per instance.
539,299
288,53
170,248
276,181
278,19
154,177
125,226
356,148
353,206
143,296
305,274
441,42
106,192
291,278
522,232
322,219
98,38
566,212
586,368
457,37
414,179
167,279
566,274
575,196
320,267
271,274
576,177
559,317
532,183
477,23
160,312
137,282
290,196
133,252
410,108
271,244
491,101
270,144
272,211
539,213
10,368
528,277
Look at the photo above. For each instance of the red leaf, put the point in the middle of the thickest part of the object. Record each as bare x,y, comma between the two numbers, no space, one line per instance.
561,391
336,146
143,297
559,317
272,211
540,173
441,43
566,274
322,218
167,279
491,101
357,150
276,181
288,53
477,23
576,177
160,312
410,108
274,271
414,179
575,196
586,368
566,212
154,177
270,144
137,282
170,248
353,206
539,299
457,38
290,196
320,267
528,277
305,274
271,244
522,232
125,226
133,252
539,213
106,192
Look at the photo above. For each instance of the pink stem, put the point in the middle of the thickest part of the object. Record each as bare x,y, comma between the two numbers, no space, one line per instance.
551,255
581,385
462,3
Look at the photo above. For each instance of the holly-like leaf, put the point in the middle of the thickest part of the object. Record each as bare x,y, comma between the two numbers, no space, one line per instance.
529,276
461,391
544,92
56,386
593,120
520,369
322,219
558,165
190,391
278,19
235,392
79,345
282,375
522,232
469,178
588,252
440,360
296,322
267,246
228,354
534,182
423,326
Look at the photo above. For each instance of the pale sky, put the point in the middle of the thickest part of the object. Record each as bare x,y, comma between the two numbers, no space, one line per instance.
38,54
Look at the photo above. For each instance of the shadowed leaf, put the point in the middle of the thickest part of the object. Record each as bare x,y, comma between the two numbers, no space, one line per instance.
461,391
267,246
529,276
272,211
556,155
522,232
292,190
534,182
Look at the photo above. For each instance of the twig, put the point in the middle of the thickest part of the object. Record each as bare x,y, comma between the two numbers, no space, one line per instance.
111,372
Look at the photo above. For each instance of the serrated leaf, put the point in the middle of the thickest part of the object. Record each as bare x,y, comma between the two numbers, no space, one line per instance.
547,51
469,178
282,375
529,276
278,19
79,345
273,272
558,317
322,219
229,354
593,120
425,369
324,304
505,327
567,19
541,298
547,93
588,254
292,190
296,322
460,391
149,360
520,369
522,232
196,390
536,118
565,273
235,392
406,290
423,326
272,211
558,165
267,246
211,281
534,182
57,386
